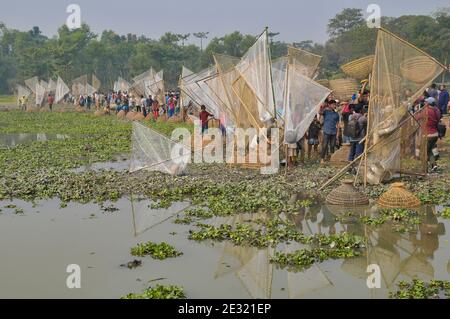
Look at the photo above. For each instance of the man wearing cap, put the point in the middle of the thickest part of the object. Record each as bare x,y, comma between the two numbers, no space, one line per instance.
433,116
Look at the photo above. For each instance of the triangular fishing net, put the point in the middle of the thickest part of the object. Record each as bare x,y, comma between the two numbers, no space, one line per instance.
61,90
400,75
31,83
255,69
153,151
305,61
303,99
96,82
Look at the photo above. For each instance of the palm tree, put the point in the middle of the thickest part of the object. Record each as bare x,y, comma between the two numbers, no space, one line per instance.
201,36
183,37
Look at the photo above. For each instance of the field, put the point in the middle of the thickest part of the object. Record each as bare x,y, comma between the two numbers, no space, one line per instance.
66,197
8,100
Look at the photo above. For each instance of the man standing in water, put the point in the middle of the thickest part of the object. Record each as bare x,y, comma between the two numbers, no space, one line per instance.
330,127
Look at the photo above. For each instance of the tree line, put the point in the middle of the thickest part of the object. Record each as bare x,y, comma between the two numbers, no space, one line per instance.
71,53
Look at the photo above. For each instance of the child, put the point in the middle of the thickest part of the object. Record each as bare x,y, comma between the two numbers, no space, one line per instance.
204,116
313,137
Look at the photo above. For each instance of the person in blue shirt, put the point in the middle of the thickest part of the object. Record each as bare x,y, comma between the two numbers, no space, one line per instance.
330,127
443,99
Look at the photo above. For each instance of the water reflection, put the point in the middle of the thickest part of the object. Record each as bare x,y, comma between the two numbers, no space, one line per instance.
400,255
12,140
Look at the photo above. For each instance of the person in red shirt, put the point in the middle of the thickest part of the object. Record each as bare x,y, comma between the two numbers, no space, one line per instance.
50,101
432,115
204,117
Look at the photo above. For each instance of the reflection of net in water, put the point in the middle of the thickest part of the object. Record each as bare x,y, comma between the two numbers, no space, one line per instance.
145,217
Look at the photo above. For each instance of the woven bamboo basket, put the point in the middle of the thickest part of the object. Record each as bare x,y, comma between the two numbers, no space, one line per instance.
79,109
418,69
398,197
130,115
341,155
31,109
346,195
43,109
359,69
139,117
343,89
121,115
99,113
324,82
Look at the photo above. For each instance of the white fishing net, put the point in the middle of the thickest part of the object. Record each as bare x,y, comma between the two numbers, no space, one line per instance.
51,88
90,90
255,69
279,68
31,83
400,75
40,93
61,90
303,99
155,152
79,85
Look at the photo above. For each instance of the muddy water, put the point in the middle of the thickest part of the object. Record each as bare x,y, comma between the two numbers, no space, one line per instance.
12,140
37,246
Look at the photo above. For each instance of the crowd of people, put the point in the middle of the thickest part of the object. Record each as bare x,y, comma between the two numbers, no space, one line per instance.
345,123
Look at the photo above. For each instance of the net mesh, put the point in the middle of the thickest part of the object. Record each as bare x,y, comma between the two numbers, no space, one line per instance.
279,68
185,98
255,70
31,83
40,92
400,75
153,151
61,90
303,100
305,61
96,83
23,92
51,86
79,85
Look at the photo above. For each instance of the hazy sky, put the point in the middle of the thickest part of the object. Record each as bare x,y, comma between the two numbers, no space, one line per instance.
295,19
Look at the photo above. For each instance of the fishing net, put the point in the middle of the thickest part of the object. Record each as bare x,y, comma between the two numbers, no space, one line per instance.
153,151
31,83
185,98
255,69
193,85
22,92
155,86
279,68
61,90
305,61
79,85
303,100
90,90
51,87
96,82
400,75
40,92
122,85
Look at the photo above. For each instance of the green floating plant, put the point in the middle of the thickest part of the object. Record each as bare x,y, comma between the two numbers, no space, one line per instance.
159,292
157,251
418,289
